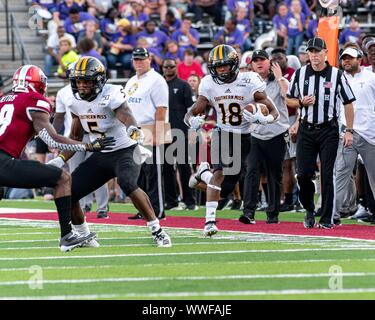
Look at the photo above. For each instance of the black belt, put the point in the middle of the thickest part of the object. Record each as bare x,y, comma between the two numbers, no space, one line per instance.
318,126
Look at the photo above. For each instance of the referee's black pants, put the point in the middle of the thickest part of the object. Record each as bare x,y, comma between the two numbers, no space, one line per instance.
150,180
310,143
272,152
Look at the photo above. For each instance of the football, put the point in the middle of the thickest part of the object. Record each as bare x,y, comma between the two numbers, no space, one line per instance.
263,109
252,108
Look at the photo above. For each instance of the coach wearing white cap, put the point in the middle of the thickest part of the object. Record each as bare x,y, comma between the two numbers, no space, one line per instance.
147,95
362,82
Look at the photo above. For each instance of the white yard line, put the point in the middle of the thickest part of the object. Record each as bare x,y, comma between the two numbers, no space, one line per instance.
196,278
127,255
195,294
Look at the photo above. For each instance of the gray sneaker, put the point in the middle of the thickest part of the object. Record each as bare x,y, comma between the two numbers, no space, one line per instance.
73,240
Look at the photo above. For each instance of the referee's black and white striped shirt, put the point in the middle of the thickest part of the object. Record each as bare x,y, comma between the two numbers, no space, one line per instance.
329,86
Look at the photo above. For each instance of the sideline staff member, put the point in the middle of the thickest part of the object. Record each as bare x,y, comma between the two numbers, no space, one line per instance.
147,95
317,89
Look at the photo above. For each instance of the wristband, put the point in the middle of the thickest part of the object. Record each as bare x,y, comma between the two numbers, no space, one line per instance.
62,157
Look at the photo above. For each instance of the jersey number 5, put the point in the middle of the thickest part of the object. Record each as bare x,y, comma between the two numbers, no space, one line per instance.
6,115
235,117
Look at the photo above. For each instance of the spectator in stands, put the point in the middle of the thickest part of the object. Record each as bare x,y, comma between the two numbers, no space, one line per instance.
135,14
50,5
98,7
91,32
53,46
296,22
156,39
280,22
121,46
75,23
156,7
66,56
156,56
189,66
247,5
370,49
304,7
312,27
229,35
86,47
243,24
213,8
194,81
62,10
351,33
108,27
174,51
278,55
303,56
170,24
186,36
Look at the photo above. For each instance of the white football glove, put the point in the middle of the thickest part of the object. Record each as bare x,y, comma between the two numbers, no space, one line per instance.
56,162
136,134
257,117
196,122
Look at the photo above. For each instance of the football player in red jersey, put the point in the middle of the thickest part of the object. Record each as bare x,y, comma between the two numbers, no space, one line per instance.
26,112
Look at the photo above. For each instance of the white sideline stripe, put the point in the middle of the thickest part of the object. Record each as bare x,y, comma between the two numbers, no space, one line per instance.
133,245
99,238
194,263
195,278
126,255
18,210
194,294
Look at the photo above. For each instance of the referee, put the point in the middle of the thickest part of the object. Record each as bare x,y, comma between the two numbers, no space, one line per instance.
316,89
147,95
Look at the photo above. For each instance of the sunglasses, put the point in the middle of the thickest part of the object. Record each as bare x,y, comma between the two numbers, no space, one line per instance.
169,67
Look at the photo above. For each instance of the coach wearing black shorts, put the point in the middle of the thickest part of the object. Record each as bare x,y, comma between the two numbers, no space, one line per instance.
316,89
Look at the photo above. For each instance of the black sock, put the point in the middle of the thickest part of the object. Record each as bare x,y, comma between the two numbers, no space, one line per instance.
64,210
265,190
288,198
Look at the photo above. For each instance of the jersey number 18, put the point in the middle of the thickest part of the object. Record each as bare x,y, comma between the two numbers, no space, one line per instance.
235,117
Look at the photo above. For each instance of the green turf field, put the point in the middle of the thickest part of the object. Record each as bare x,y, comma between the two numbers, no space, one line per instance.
233,265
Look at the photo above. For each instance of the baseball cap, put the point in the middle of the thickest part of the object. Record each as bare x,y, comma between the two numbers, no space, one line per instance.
302,49
259,54
140,53
368,42
350,52
316,43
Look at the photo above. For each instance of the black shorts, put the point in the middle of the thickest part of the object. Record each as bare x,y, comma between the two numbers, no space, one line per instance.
229,151
101,167
26,174
40,146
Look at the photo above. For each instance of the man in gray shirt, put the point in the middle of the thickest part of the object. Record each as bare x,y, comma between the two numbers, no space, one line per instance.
268,143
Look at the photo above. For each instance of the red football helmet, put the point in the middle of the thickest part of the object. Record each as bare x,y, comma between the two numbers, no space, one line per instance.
29,77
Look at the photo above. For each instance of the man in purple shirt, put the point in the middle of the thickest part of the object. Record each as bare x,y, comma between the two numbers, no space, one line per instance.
62,10
234,5
305,8
156,39
229,34
170,24
75,23
296,22
186,36
280,22
108,27
352,33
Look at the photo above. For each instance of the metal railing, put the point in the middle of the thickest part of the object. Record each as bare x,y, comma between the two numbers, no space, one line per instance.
13,34
16,39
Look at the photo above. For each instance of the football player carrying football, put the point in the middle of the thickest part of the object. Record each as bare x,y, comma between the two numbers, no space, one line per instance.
229,92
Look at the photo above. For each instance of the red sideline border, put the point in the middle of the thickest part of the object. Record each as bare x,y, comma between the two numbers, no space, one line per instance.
353,232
